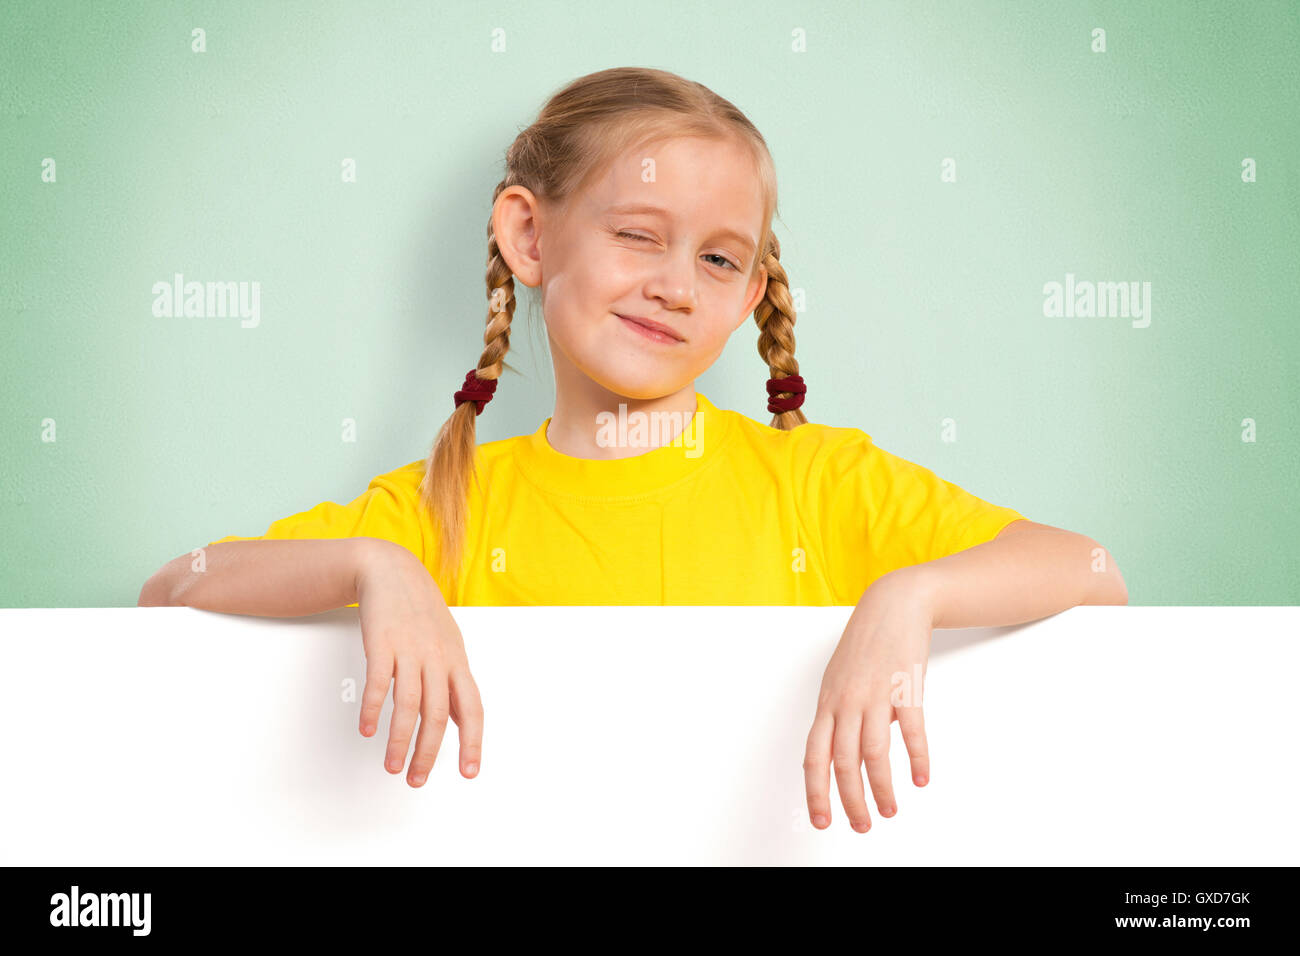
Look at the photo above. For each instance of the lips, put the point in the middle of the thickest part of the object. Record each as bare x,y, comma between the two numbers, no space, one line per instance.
652,325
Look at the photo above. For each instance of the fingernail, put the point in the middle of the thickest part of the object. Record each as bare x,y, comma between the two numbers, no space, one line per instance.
471,768
862,827
418,779
820,820
394,765
890,812
920,780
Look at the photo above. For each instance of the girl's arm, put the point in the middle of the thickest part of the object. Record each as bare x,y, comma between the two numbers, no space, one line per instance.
411,641
266,578
1029,571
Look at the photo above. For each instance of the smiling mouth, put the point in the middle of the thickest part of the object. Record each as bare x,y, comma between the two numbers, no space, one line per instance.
654,335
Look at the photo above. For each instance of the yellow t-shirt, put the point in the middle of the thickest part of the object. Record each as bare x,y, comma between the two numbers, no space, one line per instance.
732,511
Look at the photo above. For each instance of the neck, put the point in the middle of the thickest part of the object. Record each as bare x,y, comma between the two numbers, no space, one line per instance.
587,417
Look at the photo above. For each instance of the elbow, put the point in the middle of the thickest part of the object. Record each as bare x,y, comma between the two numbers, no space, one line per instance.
1109,586
1117,591
159,590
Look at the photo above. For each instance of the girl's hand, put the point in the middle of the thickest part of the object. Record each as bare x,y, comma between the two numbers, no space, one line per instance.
408,632
886,642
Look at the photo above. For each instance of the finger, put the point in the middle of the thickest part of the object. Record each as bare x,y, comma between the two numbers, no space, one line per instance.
406,706
817,769
912,723
875,751
846,757
467,711
433,722
379,674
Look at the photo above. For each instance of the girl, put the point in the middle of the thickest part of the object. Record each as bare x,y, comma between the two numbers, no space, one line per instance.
640,205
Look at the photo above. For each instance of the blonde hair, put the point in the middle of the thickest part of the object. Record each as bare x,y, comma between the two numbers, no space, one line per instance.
577,134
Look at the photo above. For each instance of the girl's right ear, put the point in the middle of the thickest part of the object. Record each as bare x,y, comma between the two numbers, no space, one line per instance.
516,225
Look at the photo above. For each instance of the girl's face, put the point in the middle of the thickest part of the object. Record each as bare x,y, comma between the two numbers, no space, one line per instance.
668,234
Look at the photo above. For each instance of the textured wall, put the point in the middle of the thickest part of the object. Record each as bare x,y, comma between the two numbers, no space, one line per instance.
127,438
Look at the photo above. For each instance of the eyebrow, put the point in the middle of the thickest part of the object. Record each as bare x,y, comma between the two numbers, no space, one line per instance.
642,208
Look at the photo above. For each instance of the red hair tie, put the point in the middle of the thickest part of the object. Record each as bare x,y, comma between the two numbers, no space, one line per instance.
476,390
792,383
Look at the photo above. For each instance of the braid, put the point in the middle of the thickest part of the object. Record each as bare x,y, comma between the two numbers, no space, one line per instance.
775,318
501,309
451,462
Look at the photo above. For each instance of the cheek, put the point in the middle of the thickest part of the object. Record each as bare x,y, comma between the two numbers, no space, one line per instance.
717,340
616,274
594,282
568,291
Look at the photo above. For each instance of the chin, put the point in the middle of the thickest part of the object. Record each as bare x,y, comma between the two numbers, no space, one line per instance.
640,384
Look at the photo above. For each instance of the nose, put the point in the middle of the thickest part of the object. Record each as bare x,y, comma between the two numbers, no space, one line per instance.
673,281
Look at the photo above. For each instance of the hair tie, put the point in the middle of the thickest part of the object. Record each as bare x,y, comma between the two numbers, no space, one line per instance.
476,390
792,383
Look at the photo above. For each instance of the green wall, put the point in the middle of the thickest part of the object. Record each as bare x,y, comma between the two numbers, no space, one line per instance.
923,298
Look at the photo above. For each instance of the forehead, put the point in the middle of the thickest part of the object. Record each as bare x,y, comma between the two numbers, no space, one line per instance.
692,179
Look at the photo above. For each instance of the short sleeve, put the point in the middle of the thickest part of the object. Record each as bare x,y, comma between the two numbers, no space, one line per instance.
388,509
879,512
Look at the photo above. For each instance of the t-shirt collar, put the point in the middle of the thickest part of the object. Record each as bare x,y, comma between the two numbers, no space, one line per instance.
694,448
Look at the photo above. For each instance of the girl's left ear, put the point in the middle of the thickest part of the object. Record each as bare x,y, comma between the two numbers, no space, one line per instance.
756,297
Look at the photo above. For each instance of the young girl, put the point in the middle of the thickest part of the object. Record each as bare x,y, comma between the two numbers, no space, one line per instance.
640,204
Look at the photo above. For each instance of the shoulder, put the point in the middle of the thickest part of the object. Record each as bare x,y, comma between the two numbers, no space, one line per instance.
400,488
404,481
494,458
808,446
405,478
411,474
